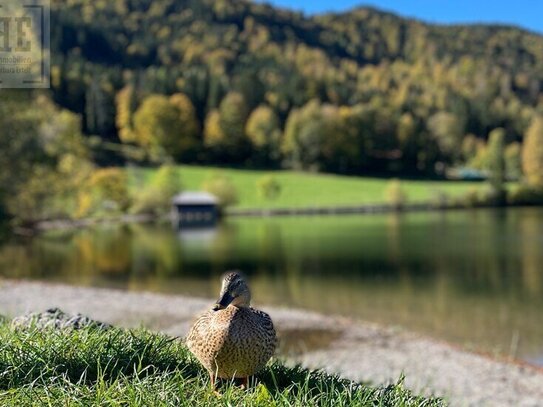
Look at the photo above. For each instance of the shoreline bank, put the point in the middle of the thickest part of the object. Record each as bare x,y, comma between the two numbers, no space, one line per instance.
345,210
354,349
66,224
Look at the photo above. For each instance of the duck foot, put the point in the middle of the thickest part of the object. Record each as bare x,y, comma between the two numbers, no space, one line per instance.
213,382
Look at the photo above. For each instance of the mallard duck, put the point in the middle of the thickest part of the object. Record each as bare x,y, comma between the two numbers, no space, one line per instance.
233,340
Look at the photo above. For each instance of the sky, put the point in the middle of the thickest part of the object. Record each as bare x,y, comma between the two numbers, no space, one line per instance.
525,13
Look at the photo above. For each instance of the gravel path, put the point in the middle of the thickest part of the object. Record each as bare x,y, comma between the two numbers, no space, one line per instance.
356,350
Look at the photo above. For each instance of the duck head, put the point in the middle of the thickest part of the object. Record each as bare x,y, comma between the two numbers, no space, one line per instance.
234,291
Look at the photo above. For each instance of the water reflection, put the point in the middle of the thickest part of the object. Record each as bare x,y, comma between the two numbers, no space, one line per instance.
473,277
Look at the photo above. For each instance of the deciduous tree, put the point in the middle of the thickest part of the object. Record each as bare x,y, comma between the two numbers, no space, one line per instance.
264,133
158,126
532,152
188,138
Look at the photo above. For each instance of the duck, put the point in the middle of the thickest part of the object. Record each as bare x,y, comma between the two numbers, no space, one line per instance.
232,340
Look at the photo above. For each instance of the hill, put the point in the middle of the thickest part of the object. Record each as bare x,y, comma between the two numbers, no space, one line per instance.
403,94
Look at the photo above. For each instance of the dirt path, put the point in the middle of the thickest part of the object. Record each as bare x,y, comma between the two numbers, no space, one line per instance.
354,349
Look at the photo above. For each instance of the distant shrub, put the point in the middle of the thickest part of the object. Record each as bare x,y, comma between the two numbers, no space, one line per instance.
490,196
395,195
470,199
51,193
86,202
111,184
268,187
440,199
155,198
222,187
477,197
167,181
525,195
106,190
37,198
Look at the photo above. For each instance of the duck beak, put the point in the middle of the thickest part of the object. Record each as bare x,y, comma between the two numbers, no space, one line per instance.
223,302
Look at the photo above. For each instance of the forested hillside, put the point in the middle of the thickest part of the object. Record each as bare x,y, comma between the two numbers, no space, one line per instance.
353,92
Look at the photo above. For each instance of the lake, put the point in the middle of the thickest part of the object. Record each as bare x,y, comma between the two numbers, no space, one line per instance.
471,277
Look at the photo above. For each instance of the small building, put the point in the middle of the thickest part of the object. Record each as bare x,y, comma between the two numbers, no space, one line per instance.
195,209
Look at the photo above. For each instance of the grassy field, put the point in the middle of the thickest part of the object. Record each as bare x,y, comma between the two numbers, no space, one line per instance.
314,190
92,367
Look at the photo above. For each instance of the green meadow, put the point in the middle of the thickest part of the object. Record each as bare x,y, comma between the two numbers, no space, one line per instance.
302,189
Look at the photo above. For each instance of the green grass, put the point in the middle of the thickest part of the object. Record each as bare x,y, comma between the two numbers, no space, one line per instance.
117,367
300,189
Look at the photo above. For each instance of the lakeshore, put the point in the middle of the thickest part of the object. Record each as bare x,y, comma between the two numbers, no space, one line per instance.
299,194
354,349
63,224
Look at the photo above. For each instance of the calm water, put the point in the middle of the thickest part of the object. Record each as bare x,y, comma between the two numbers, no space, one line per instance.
470,277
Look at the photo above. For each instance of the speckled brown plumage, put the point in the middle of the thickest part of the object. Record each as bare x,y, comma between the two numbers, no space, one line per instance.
236,341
